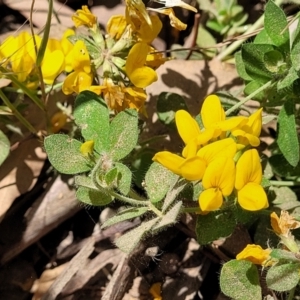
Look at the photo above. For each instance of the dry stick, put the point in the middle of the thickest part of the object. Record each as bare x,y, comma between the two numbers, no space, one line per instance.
195,34
76,263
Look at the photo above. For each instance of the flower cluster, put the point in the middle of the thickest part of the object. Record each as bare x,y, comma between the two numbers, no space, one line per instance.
123,60
282,226
18,56
220,155
119,64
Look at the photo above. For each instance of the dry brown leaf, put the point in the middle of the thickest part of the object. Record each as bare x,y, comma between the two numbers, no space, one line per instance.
41,10
19,172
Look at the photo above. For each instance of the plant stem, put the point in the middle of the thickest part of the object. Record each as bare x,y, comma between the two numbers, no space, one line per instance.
17,113
242,102
292,293
227,51
284,183
190,210
126,199
154,209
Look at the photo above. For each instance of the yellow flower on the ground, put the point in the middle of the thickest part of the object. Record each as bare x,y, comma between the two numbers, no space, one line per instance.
218,181
284,224
251,195
255,254
84,17
140,75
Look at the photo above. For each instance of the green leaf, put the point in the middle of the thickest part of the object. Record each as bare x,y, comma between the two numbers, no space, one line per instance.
285,198
123,133
213,226
64,154
295,52
284,255
240,66
275,23
167,105
128,241
283,277
282,168
251,87
253,58
4,147
169,218
111,175
158,181
92,197
125,214
239,280
287,134
288,80
262,38
92,116
124,178
274,61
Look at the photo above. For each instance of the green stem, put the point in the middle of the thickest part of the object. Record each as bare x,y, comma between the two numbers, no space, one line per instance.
292,293
230,49
242,102
154,209
17,113
284,183
191,210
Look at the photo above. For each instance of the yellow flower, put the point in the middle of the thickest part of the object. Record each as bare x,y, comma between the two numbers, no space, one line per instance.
147,33
79,58
140,75
58,121
249,132
218,181
284,224
20,55
255,254
87,148
115,26
118,97
53,62
83,17
77,82
136,13
251,195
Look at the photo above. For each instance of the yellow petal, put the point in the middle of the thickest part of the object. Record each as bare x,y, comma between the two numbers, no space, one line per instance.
83,17
193,168
187,126
80,57
210,199
77,82
225,147
149,32
255,122
212,111
116,26
87,148
143,77
248,169
169,160
136,57
255,254
252,197
220,173
190,149
52,66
